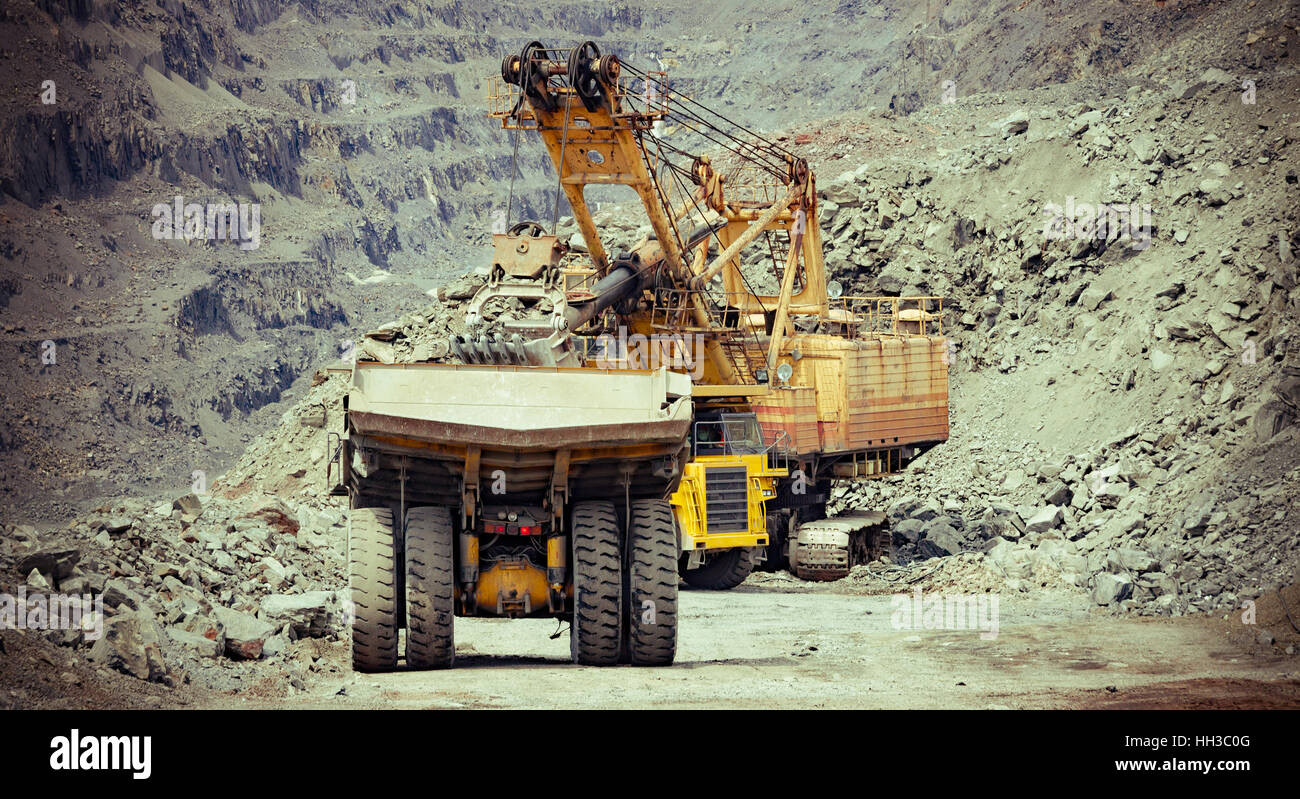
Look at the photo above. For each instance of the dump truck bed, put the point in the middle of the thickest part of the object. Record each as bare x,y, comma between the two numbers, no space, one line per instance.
517,429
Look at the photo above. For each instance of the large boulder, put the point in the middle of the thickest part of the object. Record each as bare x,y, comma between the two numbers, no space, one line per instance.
314,614
930,509
199,645
54,561
940,527
273,514
118,593
189,506
132,644
245,634
1107,588
1047,518
465,287
1059,494
1146,148
1272,418
893,278
1015,123
907,531
1131,560
939,543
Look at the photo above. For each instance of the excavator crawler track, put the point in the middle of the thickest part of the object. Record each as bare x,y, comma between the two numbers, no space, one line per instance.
825,550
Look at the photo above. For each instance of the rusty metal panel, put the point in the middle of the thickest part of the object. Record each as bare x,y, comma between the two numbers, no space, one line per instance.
875,392
792,412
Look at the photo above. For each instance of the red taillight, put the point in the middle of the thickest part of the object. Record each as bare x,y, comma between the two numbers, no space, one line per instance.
512,529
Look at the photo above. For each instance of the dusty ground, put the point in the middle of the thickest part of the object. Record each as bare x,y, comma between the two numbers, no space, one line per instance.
764,647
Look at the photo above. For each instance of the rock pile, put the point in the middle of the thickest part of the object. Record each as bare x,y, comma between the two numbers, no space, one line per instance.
191,588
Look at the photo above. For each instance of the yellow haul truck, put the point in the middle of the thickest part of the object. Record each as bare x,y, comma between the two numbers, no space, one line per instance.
527,482
720,505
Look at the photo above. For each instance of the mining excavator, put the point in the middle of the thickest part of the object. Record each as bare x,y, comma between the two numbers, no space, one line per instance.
663,419
832,387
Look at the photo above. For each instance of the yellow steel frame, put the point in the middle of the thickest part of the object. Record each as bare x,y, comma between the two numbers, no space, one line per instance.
691,500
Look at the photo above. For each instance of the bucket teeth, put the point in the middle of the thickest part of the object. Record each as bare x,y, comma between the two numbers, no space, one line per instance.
515,347
490,350
460,348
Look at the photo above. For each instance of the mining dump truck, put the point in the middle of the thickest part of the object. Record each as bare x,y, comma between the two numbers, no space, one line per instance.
721,503
515,492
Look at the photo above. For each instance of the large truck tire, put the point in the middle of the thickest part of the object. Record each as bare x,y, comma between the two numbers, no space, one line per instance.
652,584
778,528
374,582
430,603
596,634
724,571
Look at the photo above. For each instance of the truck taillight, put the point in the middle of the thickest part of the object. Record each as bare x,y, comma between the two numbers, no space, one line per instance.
530,530
490,527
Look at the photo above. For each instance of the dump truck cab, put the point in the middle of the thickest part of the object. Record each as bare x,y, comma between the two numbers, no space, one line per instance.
720,504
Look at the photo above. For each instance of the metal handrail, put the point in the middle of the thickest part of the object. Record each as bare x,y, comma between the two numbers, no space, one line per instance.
884,315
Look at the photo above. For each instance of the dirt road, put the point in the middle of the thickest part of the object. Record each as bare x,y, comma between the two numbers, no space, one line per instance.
769,647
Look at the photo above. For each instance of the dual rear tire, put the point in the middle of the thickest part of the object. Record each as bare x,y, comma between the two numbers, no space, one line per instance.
379,572
624,591
624,597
